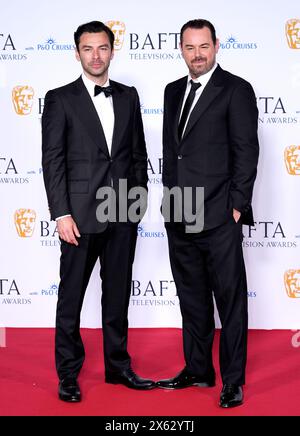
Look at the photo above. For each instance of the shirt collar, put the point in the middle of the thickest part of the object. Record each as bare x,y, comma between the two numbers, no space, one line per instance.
90,85
204,78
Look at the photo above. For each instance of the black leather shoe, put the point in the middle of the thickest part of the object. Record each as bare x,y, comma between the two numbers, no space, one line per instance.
69,390
231,396
130,379
184,380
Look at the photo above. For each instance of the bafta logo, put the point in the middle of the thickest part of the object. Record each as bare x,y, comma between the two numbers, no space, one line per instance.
118,28
25,222
22,97
292,159
292,283
292,31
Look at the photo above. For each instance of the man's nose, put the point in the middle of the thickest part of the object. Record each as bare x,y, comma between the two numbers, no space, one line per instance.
96,54
198,52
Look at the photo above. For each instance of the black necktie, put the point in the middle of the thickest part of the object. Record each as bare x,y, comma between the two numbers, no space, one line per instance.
106,89
187,107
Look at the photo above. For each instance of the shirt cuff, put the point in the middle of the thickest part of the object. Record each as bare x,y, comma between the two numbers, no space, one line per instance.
60,217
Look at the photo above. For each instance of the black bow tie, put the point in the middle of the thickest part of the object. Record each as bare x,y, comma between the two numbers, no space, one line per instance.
106,89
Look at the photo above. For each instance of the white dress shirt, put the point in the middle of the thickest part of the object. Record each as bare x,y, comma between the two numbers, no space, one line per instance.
104,107
203,80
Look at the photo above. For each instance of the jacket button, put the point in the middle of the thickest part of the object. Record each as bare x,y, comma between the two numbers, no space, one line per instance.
180,156
111,160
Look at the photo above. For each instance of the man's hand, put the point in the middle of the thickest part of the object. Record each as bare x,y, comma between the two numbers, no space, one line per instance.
236,215
68,230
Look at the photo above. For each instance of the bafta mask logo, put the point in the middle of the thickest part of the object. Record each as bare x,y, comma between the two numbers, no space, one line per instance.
292,159
25,222
22,97
292,283
292,31
118,28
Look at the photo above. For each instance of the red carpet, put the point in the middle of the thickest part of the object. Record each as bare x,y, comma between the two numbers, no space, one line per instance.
28,384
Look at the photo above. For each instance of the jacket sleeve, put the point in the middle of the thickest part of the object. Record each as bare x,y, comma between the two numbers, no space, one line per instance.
54,125
242,119
138,144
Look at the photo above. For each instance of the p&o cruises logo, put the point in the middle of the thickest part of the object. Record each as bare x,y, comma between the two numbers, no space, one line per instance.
51,45
232,43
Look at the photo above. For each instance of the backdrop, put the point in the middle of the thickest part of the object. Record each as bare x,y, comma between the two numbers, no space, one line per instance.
260,41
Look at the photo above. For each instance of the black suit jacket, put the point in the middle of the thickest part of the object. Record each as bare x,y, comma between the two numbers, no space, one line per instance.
219,149
75,158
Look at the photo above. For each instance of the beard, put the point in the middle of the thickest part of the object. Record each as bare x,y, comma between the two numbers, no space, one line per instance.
197,69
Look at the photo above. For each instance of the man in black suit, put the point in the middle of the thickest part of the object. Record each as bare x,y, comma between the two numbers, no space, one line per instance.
93,137
210,141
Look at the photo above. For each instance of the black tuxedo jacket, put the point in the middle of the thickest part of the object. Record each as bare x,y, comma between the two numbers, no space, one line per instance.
76,161
219,149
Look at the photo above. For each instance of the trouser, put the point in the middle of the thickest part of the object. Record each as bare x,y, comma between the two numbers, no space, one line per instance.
206,264
115,249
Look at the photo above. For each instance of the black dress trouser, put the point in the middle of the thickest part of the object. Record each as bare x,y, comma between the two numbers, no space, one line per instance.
206,264
115,248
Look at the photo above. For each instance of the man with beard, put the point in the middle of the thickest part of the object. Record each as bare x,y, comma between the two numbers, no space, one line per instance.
210,141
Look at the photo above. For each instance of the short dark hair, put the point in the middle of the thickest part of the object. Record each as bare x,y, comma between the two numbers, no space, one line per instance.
94,27
199,24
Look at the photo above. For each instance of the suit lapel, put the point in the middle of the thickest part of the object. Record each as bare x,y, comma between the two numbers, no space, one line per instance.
175,104
86,112
210,92
121,111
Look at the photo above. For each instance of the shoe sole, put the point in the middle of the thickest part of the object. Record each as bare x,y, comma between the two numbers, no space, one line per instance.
228,406
199,385
72,400
115,382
